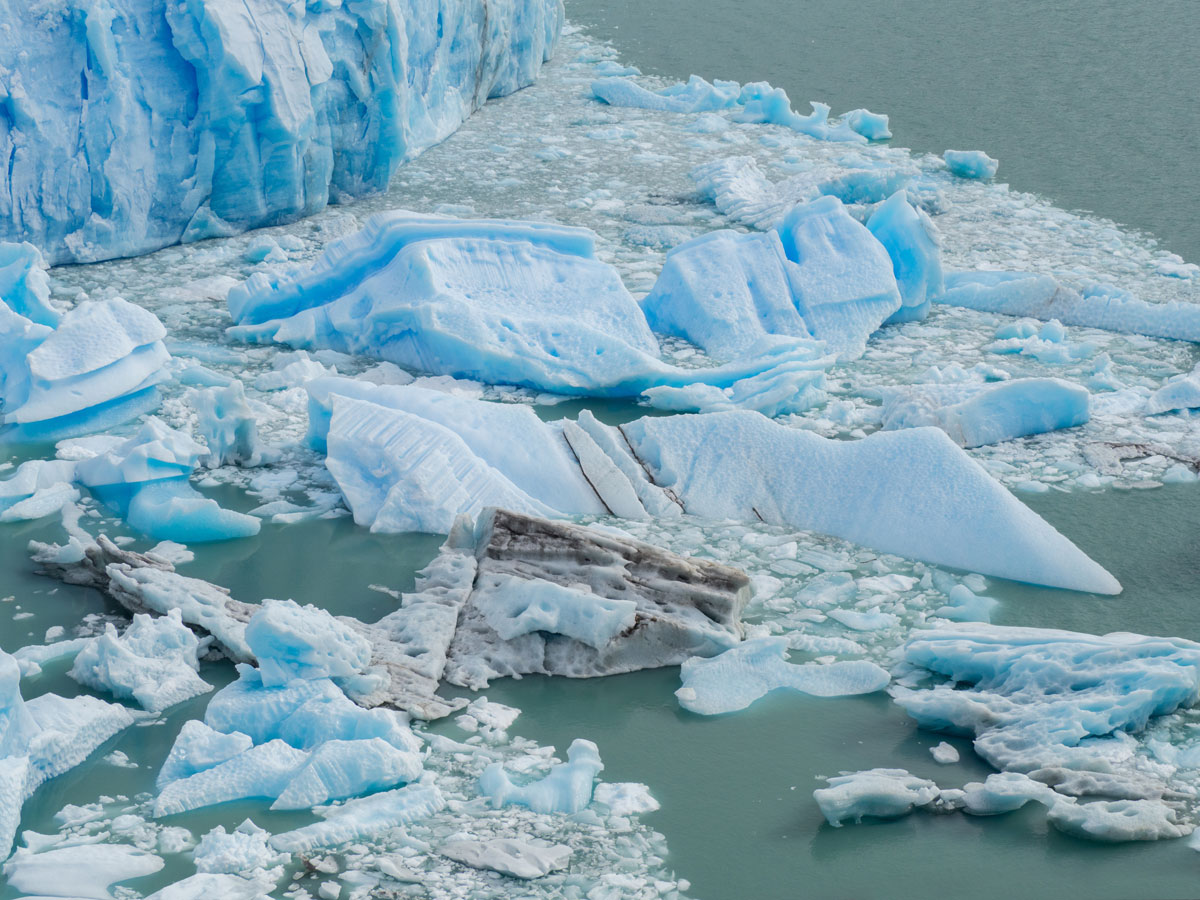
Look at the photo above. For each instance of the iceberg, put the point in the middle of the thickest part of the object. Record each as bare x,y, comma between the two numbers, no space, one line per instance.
520,859
43,738
245,849
923,497
1048,702
976,415
970,164
363,819
228,426
96,367
496,301
756,102
1097,306
78,870
137,125
145,479
1181,392
820,275
24,285
154,662
882,793
739,676
566,789
912,241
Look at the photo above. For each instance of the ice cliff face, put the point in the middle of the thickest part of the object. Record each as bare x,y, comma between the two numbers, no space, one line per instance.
130,125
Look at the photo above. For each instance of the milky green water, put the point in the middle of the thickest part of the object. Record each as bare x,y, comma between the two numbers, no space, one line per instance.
1089,102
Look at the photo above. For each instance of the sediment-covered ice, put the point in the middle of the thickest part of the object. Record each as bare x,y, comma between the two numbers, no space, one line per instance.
927,499
138,125
739,676
975,415
559,599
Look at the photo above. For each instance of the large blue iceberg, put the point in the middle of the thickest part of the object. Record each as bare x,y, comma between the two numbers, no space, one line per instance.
130,125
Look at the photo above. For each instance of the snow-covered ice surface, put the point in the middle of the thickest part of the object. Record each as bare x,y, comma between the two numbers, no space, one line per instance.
553,153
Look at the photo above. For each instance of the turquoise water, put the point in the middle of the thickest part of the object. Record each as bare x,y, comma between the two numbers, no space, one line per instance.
1092,104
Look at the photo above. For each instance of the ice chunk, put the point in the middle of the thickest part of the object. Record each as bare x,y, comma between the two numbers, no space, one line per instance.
739,676
911,240
518,606
136,126
80,870
615,605
175,511
155,662
566,789
24,286
1041,296
228,426
198,747
33,477
206,885
843,282
1005,792
696,95
508,437
625,798
261,771
363,819
872,126
1178,393
520,859
975,415
928,499
883,793
1035,698
243,850
340,769
1118,820
97,367
970,164
303,642
821,275
944,753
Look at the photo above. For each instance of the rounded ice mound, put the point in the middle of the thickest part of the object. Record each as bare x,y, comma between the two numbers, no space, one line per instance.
303,642
971,163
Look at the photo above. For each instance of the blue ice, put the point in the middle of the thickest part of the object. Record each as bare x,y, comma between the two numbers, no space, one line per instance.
140,123
970,164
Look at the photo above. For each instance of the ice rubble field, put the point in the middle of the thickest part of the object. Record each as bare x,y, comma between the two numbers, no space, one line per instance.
453,806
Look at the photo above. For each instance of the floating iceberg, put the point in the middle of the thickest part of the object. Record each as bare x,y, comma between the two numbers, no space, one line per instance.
927,499
227,426
520,859
1178,393
24,285
155,662
756,102
975,415
363,819
970,164
78,870
739,676
821,275
882,793
1046,702
495,301
42,738
566,789
1098,306
145,479
246,115
911,240
95,367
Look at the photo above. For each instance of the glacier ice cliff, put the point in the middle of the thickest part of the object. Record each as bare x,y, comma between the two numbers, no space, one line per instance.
130,125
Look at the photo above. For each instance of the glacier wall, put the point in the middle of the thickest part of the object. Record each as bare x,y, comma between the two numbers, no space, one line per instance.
131,125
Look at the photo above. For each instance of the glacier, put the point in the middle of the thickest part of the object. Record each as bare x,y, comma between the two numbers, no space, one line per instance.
130,126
